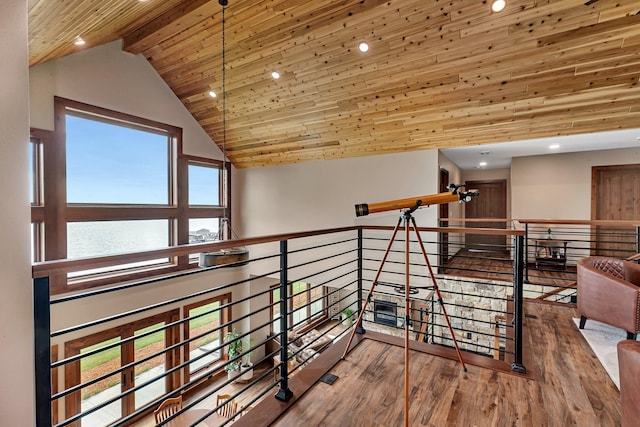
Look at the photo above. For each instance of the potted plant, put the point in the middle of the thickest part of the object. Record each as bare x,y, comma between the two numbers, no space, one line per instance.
347,317
234,349
246,368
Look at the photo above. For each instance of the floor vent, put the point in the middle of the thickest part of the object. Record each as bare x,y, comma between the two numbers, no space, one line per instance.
328,378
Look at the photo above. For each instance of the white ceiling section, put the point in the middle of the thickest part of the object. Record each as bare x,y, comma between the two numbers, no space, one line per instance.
498,156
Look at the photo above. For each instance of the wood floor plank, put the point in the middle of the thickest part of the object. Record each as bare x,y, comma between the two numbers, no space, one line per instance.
566,385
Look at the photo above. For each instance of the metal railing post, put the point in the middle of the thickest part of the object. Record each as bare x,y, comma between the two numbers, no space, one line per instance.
42,347
284,393
360,329
518,315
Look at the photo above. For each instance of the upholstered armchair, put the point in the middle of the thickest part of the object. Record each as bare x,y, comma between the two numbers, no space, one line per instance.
609,292
629,366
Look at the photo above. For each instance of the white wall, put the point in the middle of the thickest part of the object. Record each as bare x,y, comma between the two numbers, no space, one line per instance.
456,210
558,186
322,194
107,77
16,313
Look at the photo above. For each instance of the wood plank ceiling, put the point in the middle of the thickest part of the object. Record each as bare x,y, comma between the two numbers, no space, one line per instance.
438,73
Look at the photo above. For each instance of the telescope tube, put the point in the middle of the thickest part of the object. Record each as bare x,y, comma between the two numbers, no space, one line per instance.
433,199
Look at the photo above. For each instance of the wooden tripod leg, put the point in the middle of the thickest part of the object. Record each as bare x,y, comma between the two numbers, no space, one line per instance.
373,285
437,289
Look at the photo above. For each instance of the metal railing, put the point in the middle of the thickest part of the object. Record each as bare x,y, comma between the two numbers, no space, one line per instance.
281,330
552,248
481,302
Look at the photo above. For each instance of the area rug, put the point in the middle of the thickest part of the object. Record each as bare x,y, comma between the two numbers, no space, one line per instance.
603,340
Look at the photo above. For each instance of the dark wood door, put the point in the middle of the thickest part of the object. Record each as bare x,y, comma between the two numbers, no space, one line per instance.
615,194
491,203
443,214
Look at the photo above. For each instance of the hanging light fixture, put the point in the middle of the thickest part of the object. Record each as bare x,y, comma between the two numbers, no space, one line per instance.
238,255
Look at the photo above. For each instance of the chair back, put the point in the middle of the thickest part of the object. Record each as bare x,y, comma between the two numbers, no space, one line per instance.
229,408
167,408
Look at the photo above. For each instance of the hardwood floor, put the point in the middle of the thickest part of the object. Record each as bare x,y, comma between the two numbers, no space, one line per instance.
545,283
565,385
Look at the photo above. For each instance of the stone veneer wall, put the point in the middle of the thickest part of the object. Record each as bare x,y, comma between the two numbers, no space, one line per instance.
472,306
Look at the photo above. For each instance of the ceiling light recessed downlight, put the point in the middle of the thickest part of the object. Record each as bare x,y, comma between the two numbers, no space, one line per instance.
554,146
213,94
498,5
363,46
482,164
275,75
79,41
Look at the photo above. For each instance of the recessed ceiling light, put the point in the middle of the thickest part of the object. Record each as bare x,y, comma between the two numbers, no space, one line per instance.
363,46
554,146
212,94
498,5
275,75
79,41
483,164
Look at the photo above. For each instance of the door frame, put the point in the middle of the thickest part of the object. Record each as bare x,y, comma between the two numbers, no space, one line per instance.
595,229
470,184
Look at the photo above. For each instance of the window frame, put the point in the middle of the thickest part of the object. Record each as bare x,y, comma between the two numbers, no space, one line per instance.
72,370
52,216
40,139
208,211
312,321
225,316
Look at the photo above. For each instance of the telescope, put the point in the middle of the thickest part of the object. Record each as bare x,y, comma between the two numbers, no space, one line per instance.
453,195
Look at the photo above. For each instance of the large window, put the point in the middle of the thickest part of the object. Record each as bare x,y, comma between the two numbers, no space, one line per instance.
204,184
307,305
105,351
36,195
205,331
107,183
112,162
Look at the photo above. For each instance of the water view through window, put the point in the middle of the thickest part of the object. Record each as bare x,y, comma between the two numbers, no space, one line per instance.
97,238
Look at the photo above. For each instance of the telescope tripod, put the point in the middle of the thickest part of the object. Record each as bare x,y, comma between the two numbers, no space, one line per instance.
409,222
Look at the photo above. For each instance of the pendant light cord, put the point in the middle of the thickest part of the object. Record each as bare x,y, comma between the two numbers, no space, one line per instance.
225,220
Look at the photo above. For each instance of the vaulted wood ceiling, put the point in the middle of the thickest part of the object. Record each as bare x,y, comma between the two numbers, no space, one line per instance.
438,73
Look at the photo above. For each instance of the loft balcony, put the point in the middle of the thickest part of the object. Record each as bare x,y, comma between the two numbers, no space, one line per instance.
113,353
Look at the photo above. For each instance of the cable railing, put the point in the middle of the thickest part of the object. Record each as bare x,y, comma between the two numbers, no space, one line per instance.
200,333
478,291
113,354
554,246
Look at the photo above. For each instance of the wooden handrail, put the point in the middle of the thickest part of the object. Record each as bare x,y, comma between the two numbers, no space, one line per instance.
476,219
581,222
47,268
